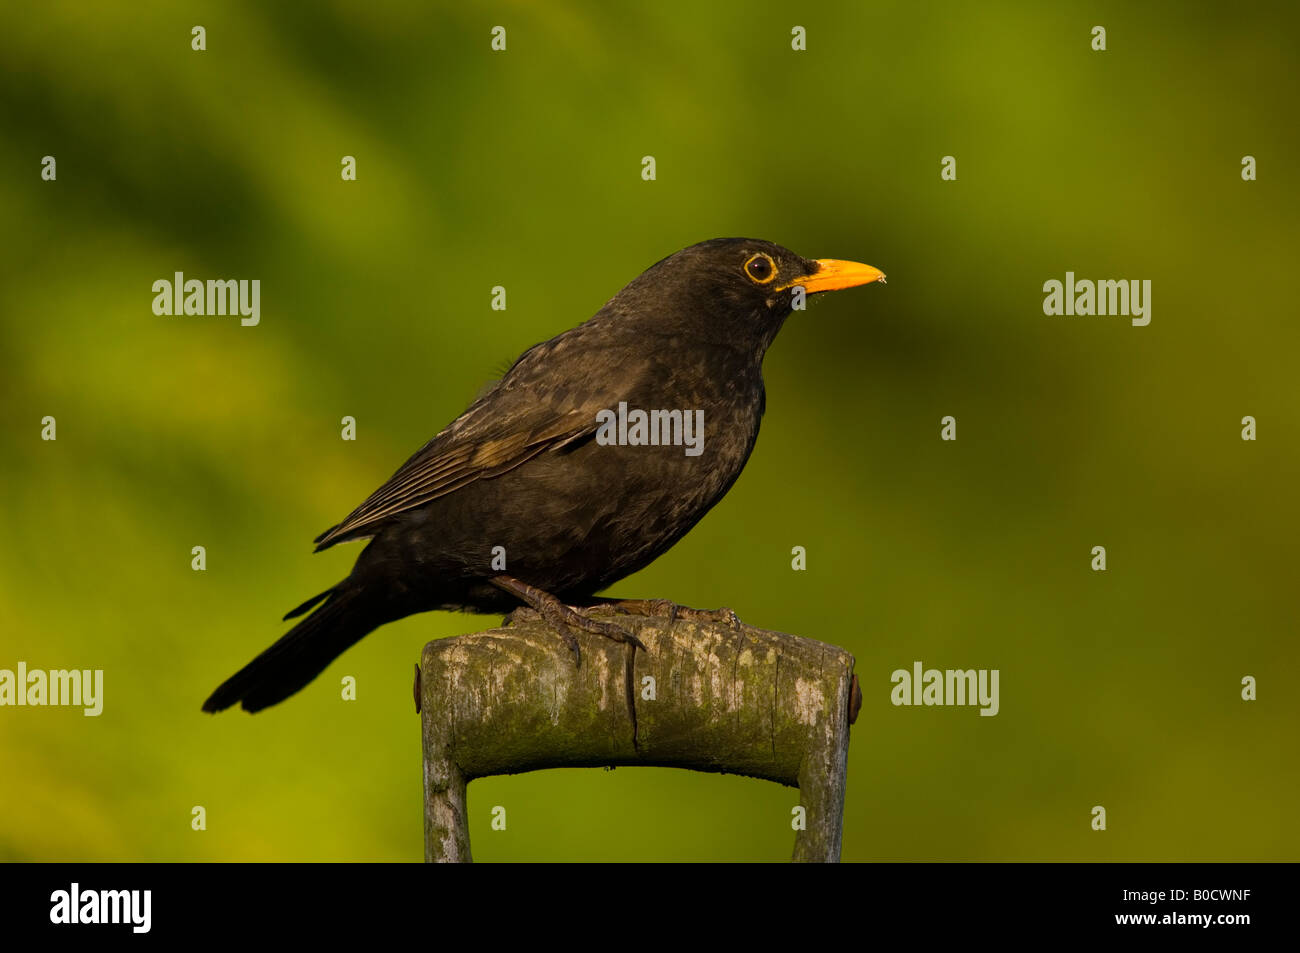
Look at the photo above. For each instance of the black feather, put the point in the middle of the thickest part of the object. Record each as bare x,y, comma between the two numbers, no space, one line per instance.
301,654
294,613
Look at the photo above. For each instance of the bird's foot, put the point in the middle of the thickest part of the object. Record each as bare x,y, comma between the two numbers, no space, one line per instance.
562,618
528,613
521,614
673,611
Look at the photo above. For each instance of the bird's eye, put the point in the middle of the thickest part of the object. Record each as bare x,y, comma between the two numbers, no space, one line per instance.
760,268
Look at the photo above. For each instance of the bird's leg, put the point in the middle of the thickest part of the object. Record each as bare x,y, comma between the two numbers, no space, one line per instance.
560,617
666,607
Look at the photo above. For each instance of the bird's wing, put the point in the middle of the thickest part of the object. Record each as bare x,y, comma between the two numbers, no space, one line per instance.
466,451
522,416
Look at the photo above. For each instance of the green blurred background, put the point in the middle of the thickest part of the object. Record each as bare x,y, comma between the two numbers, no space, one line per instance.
522,169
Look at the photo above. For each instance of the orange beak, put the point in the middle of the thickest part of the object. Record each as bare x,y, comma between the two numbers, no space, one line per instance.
832,275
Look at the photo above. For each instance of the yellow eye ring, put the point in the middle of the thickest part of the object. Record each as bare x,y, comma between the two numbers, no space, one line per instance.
761,269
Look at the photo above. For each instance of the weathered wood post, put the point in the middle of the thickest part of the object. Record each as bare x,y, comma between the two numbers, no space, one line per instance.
708,696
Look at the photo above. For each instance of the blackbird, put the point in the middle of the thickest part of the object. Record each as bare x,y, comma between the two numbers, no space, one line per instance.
596,452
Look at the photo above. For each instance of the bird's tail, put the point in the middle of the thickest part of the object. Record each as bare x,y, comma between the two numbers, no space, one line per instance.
303,652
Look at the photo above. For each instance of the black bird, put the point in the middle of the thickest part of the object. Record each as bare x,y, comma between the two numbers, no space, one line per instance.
536,467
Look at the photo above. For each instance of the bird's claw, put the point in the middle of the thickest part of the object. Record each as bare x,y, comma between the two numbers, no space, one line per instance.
521,614
724,615
571,617
572,642
648,607
613,631
672,611
729,617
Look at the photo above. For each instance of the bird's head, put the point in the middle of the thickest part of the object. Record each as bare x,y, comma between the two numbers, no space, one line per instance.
733,291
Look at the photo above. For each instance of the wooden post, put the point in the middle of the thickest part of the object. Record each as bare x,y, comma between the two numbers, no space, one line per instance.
708,696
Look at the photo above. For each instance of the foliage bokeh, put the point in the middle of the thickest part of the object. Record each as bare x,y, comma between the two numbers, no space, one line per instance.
522,169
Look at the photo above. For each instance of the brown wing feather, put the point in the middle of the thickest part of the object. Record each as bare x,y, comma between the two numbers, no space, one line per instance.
462,453
523,415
